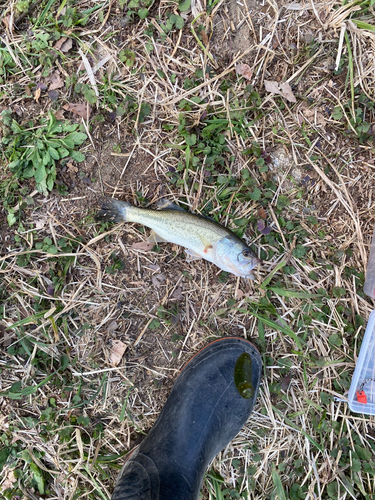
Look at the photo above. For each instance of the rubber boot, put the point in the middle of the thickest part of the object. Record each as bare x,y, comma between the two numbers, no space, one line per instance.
203,413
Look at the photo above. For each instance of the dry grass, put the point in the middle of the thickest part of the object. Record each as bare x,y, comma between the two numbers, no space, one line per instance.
164,309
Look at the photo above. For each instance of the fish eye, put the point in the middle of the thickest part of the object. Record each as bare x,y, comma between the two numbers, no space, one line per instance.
246,253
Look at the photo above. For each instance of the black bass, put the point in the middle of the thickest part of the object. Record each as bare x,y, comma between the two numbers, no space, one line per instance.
202,238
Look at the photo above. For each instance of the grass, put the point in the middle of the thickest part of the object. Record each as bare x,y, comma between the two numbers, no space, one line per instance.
150,106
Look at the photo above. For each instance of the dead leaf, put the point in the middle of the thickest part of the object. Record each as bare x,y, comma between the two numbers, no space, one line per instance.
284,384
82,110
283,89
37,95
56,81
40,223
60,114
204,37
272,87
158,279
244,70
6,337
18,110
287,92
27,90
146,246
112,327
154,267
9,481
177,294
7,20
64,44
60,42
53,95
42,86
117,351
71,167
261,213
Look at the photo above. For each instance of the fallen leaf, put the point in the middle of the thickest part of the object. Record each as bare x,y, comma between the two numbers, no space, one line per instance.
157,279
40,223
64,44
53,95
261,213
287,92
18,110
239,294
283,89
117,351
71,167
9,481
41,86
82,110
7,20
244,70
56,81
204,37
143,245
60,42
154,267
27,90
112,327
272,87
262,227
37,95
177,294
60,114
284,384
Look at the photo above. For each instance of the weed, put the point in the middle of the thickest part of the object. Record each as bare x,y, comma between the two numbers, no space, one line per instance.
359,112
33,151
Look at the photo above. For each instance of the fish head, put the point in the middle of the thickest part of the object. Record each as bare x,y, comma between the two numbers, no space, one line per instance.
235,257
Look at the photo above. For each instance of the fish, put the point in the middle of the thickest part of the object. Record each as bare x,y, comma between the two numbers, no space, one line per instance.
203,238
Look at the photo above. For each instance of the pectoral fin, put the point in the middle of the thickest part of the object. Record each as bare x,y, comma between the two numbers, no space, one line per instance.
155,238
191,255
206,243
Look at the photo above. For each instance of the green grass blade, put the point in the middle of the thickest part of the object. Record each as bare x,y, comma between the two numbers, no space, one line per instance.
294,426
351,72
293,293
278,484
283,329
279,266
364,26
29,319
47,8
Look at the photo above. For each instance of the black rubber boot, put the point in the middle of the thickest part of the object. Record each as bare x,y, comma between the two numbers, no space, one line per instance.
203,413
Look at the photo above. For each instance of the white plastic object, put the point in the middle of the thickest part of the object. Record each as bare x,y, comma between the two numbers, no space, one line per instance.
364,373
369,287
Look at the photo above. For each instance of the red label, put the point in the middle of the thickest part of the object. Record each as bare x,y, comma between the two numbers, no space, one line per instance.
361,396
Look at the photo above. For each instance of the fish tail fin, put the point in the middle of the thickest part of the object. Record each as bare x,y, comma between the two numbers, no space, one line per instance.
113,211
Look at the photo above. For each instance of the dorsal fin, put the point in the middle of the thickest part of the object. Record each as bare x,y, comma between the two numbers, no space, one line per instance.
165,204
